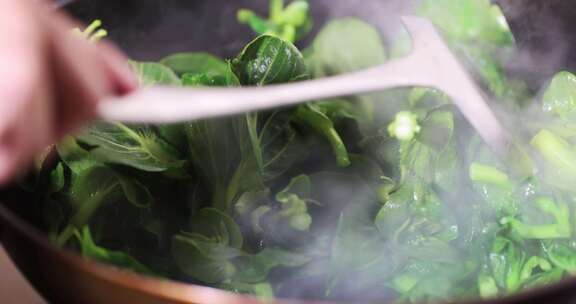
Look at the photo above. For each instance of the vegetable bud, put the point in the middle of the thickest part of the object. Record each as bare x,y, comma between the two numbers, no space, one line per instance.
405,126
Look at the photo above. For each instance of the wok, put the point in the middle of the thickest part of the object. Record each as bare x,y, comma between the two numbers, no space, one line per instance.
151,29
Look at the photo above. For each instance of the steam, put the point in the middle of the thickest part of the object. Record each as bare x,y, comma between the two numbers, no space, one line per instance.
532,64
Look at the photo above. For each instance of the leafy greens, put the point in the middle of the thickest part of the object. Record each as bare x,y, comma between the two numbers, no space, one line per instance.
384,196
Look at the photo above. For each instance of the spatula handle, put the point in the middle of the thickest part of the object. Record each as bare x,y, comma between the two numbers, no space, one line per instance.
175,104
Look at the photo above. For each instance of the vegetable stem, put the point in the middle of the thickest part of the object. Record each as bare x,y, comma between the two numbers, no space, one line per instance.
276,8
490,175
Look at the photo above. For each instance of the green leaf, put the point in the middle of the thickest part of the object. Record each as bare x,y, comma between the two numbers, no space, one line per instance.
214,151
346,45
395,211
561,256
559,162
560,96
355,248
533,265
138,147
57,178
96,187
75,157
203,259
93,188
269,60
469,20
431,282
495,187
559,228
151,73
544,278
487,286
269,146
214,224
434,250
506,260
310,115
250,200
202,80
116,258
258,266
135,192
299,185
293,199
478,32
195,63
276,143
264,291
437,130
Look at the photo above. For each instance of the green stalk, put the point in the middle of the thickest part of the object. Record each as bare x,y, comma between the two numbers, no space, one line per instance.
99,35
342,158
276,8
318,121
489,175
538,232
92,28
83,215
555,150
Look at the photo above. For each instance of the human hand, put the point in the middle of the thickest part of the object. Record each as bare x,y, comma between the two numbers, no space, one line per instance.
50,80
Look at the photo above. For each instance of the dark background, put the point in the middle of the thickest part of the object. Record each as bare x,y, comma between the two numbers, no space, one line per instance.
150,29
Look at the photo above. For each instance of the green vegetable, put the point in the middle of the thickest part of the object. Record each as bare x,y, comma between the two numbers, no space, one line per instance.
120,259
269,60
138,147
478,31
390,195
312,116
93,32
559,163
182,63
293,200
559,96
204,259
346,45
404,127
289,23
151,73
